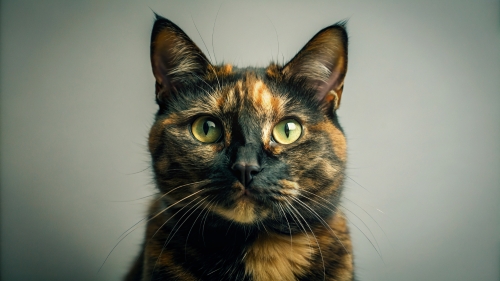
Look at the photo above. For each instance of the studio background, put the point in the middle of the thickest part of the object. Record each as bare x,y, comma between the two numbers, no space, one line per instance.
421,111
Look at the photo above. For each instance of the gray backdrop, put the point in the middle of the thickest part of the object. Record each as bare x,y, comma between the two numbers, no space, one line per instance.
421,110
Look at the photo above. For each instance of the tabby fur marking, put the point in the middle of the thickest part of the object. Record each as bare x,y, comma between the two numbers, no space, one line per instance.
249,164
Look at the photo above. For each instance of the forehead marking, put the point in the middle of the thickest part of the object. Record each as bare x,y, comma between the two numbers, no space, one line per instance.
270,108
226,69
239,93
227,100
261,95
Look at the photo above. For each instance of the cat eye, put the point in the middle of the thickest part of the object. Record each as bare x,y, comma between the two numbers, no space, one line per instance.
287,131
206,129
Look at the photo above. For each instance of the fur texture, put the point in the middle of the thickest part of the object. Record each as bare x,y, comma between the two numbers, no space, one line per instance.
233,202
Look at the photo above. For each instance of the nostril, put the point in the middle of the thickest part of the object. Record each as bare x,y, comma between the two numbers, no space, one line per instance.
245,173
239,172
253,170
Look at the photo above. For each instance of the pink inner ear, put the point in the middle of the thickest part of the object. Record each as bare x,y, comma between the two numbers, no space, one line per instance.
323,88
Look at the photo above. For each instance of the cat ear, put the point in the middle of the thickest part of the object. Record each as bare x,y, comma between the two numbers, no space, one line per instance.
175,59
322,64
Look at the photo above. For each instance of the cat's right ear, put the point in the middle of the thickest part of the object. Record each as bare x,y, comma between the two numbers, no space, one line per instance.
175,59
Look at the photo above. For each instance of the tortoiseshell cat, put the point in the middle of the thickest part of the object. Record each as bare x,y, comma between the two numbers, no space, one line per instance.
249,163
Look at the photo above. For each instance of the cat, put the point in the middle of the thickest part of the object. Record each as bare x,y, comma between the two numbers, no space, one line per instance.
249,163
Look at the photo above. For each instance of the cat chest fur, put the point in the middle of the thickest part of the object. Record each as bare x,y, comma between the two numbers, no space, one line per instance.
291,257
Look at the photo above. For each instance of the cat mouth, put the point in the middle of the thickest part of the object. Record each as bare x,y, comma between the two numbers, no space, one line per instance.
243,207
245,196
258,195
243,193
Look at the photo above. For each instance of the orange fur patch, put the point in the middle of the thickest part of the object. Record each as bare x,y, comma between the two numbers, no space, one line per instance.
273,71
243,212
226,69
275,257
264,100
216,72
290,188
336,136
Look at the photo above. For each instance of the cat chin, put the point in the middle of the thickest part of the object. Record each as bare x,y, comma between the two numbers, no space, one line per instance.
244,211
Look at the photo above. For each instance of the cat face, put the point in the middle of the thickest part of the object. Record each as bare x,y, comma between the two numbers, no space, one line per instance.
249,143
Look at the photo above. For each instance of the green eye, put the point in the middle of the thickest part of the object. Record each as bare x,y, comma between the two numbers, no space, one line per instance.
287,131
206,129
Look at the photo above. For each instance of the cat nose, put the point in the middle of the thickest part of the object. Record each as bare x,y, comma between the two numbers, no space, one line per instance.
245,172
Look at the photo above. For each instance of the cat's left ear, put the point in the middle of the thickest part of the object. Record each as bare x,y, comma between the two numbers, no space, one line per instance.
322,64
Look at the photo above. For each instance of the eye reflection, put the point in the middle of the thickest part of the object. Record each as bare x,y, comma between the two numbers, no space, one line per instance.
287,131
206,129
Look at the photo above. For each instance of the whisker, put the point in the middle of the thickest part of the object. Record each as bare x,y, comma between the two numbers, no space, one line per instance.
201,37
204,220
289,228
377,248
132,200
163,248
368,213
171,236
178,211
184,185
277,38
298,222
345,174
184,170
197,217
157,201
376,242
129,174
203,80
315,238
264,227
213,31
132,173
227,230
374,238
322,221
159,213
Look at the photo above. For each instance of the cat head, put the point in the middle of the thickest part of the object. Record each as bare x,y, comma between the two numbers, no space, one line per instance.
248,143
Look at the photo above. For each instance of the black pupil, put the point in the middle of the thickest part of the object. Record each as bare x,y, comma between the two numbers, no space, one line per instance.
207,125
287,130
